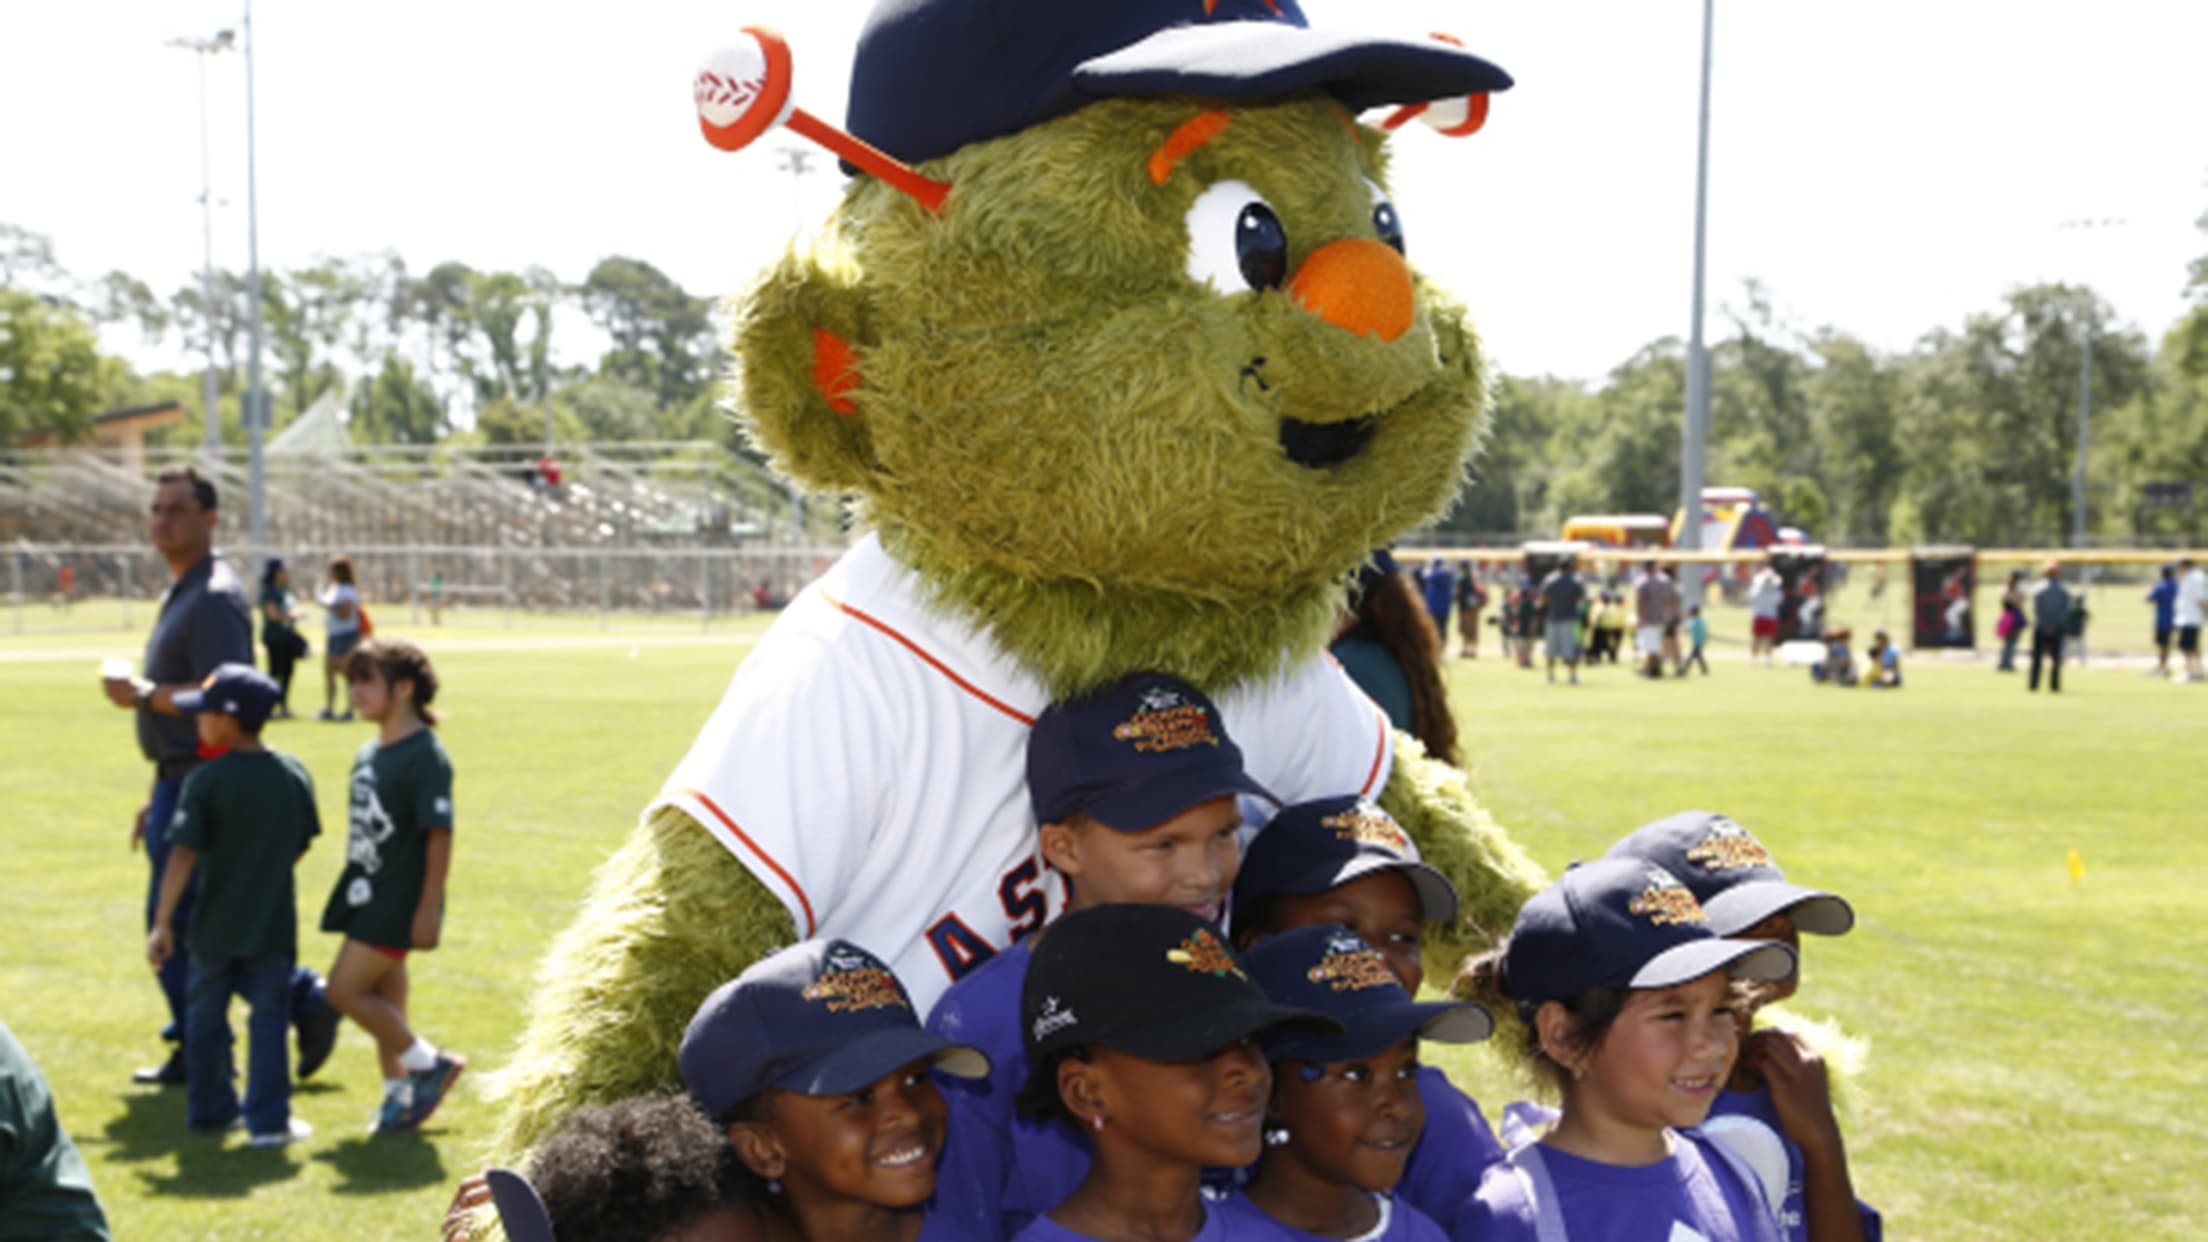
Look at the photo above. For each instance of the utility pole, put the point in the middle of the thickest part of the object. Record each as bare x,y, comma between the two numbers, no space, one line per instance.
1695,434
796,161
2085,387
223,41
255,406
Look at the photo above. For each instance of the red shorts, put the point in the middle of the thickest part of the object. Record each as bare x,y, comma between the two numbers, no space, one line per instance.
1766,627
396,955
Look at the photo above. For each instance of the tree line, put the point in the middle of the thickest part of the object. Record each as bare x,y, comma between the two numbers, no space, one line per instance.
1967,436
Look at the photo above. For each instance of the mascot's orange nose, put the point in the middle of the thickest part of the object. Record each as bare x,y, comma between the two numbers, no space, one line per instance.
1358,285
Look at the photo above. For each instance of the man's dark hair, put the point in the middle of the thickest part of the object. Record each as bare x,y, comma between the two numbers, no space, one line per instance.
634,1170
203,489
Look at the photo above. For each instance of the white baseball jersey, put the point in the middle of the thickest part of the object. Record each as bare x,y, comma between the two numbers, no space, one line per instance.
869,765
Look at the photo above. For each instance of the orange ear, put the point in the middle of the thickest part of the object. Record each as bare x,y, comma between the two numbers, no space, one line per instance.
833,371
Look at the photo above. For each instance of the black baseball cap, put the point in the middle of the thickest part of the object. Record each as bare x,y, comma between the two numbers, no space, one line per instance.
1313,846
931,76
822,1017
1328,969
1154,982
1622,923
1732,875
1132,755
521,1210
239,690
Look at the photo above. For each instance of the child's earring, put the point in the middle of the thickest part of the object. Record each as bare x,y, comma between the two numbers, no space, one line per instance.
1578,1072
1277,1136
1097,1123
774,1186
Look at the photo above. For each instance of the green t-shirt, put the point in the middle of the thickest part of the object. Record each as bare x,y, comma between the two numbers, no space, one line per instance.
399,792
248,815
281,597
45,1193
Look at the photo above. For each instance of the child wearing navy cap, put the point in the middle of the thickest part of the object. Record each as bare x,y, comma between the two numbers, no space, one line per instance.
1627,996
1135,787
242,822
1346,861
1347,1110
817,1067
1141,1027
1779,1082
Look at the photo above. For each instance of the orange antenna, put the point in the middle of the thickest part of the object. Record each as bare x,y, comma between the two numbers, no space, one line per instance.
743,90
1452,118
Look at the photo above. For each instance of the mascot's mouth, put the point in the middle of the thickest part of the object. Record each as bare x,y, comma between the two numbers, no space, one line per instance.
1318,445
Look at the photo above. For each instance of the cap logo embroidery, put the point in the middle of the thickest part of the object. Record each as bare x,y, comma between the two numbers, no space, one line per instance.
1728,848
1205,954
1166,721
1367,824
1052,1018
852,982
1666,901
1353,971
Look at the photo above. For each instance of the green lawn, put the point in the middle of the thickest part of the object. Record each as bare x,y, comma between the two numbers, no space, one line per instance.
2035,1065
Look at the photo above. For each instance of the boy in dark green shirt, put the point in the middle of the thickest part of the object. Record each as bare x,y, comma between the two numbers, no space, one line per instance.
242,821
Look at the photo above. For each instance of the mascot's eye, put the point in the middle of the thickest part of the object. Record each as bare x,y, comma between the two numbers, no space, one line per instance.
1235,240
1388,226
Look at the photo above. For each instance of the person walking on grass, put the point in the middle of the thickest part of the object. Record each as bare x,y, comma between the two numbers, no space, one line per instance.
2013,622
1471,601
340,600
1562,593
390,899
1766,593
2192,601
202,622
1698,637
2051,605
242,823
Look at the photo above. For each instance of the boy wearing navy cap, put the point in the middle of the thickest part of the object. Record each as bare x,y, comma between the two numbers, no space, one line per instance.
1779,1081
1345,861
816,1064
1347,1109
242,821
1135,787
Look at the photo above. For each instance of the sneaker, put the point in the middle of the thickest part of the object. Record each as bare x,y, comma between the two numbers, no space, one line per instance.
325,714
433,1084
317,1037
395,1112
169,1073
298,1129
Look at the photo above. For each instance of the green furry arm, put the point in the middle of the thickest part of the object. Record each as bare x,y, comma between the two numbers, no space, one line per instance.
670,917
1458,838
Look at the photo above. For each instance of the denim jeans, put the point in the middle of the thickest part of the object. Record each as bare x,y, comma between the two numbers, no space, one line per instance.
159,809
210,1101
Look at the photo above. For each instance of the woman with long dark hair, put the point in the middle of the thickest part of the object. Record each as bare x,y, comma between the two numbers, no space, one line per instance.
1390,648
280,629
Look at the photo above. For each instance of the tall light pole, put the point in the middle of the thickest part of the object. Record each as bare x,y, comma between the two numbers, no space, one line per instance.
1695,434
256,398
796,161
223,41
2085,393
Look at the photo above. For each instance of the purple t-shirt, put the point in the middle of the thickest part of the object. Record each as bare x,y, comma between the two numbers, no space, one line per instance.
996,1162
1617,1203
1400,1222
1793,1213
1217,1228
1452,1153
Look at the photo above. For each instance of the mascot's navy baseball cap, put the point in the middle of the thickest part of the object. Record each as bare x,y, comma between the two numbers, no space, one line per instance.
1732,875
931,76
239,690
1132,755
822,1017
1330,970
1622,923
1325,843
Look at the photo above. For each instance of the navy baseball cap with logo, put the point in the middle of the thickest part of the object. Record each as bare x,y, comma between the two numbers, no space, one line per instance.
931,76
1330,970
1622,923
822,1017
1732,875
239,690
1313,846
1151,981
1132,755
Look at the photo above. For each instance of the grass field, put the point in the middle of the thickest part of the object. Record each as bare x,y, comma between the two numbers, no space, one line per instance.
2036,1041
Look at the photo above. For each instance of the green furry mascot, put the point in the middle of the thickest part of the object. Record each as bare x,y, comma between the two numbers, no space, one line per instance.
1118,354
